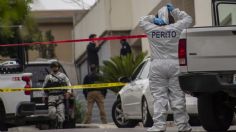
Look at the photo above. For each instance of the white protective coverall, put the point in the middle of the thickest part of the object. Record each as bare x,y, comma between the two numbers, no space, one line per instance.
164,71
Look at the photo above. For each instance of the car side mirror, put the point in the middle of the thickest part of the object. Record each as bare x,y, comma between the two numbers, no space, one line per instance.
124,79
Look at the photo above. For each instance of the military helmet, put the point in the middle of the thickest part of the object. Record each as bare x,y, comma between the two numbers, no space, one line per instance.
55,64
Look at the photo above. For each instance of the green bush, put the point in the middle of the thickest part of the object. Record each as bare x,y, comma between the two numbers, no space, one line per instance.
79,111
119,67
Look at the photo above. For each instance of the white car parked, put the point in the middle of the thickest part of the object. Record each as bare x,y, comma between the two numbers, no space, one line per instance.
135,103
9,63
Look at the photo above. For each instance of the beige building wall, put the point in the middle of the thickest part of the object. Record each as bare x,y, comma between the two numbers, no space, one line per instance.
203,13
107,15
142,8
125,14
60,31
33,55
93,22
111,15
61,25
119,14
64,52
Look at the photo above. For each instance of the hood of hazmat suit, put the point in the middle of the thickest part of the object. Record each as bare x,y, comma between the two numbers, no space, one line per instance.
163,13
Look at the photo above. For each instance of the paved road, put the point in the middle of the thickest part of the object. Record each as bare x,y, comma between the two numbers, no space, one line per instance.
170,129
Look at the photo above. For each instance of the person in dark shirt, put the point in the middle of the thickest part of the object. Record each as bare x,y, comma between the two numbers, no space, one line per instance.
94,95
92,51
125,49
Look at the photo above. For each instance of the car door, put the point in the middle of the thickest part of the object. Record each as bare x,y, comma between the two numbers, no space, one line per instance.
139,86
128,92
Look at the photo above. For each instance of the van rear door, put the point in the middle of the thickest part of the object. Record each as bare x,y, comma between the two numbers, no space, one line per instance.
211,49
214,48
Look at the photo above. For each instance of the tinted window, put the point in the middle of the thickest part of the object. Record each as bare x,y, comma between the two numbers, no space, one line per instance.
145,71
39,73
227,14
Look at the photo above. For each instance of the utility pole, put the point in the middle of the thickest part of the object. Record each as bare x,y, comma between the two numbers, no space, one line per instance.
21,49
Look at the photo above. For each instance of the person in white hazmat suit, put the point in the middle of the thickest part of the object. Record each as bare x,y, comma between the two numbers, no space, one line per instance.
164,33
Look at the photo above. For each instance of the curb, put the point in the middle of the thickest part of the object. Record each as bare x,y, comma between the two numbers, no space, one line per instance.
102,126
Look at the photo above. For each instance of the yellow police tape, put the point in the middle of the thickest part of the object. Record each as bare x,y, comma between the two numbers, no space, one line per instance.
86,86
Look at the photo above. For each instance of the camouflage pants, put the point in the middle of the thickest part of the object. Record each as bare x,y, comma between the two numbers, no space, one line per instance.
56,108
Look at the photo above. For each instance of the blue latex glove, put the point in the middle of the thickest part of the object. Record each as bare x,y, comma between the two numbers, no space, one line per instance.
170,7
159,21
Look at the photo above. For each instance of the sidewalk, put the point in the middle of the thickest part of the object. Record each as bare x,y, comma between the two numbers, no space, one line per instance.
101,126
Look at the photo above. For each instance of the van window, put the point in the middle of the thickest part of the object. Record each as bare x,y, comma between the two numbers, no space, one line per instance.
39,72
226,14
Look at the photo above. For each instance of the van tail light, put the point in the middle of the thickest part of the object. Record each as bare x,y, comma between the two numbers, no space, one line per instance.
183,52
27,87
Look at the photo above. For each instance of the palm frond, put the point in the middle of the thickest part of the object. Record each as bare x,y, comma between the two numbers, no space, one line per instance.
118,67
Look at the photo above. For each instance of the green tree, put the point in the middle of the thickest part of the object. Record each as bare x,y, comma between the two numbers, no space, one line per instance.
12,12
30,31
16,25
120,67
51,47
79,111
46,51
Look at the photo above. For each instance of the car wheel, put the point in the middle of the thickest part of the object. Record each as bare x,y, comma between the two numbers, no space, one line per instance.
119,117
146,116
214,114
3,126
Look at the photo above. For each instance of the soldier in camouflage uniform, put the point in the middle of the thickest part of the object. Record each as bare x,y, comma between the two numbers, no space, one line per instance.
56,105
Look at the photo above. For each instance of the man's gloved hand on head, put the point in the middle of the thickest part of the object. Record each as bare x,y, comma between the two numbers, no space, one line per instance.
163,15
170,7
159,21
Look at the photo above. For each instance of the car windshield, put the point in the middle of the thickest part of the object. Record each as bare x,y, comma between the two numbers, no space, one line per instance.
145,71
137,71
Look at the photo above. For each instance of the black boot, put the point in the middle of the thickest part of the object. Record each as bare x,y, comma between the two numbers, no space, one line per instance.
60,125
53,124
186,130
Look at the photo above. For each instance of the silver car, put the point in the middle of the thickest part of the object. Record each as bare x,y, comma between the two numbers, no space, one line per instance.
135,103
